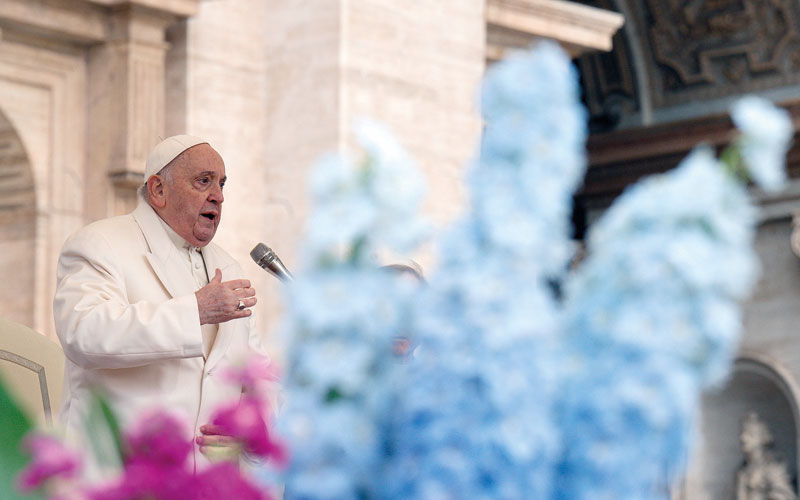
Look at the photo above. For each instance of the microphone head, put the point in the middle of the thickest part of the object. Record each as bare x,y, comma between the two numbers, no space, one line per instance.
267,260
259,252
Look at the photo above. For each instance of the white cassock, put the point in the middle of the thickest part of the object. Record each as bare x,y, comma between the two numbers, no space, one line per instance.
127,317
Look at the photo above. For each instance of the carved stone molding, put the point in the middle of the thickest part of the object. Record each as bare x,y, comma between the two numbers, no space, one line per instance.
516,23
81,21
124,43
683,59
181,8
713,48
48,114
128,83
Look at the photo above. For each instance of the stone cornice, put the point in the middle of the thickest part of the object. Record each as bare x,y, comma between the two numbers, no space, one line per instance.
579,28
180,8
84,22
71,21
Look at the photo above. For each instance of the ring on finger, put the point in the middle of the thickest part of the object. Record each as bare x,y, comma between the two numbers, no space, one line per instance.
241,305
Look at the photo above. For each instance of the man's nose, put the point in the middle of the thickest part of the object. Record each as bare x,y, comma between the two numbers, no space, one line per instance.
215,195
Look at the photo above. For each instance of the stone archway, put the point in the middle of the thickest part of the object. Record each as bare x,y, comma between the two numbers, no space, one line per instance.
756,384
17,227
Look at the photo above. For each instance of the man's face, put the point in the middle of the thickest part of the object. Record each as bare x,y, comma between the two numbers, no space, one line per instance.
193,196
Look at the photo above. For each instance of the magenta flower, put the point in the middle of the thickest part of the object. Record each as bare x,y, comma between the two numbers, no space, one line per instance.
50,459
246,422
155,458
224,481
149,480
158,439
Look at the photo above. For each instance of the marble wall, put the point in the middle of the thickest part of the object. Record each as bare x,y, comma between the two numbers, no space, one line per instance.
272,85
284,86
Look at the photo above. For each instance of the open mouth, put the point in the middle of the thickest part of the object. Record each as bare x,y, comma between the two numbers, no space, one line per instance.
209,216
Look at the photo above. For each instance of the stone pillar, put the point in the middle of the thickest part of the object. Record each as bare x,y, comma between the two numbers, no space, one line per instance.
126,114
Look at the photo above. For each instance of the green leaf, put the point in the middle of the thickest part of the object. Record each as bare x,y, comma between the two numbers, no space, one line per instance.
103,430
14,424
731,159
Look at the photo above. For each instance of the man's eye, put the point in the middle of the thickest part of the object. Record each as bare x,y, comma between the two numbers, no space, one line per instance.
221,185
203,180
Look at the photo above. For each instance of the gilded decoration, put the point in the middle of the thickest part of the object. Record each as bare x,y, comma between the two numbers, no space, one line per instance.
712,48
690,51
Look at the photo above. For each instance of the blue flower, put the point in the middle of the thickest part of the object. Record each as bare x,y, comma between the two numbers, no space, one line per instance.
529,380
766,135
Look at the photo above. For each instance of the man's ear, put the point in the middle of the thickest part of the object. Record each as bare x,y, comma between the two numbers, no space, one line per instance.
155,188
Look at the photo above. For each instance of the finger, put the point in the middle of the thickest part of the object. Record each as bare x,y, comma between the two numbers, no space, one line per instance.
248,302
245,292
217,277
216,441
212,429
235,284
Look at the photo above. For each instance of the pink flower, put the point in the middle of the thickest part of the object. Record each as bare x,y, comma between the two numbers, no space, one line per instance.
155,458
50,460
256,369
158,439
246,422
148,480
224,481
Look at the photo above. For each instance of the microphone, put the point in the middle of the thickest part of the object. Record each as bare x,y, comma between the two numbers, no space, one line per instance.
267,260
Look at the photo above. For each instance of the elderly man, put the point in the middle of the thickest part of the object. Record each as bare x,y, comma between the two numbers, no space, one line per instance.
149,311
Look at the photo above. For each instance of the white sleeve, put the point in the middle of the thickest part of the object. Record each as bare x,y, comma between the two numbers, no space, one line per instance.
99,328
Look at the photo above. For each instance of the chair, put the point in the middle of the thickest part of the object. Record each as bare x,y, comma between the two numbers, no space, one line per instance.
32,367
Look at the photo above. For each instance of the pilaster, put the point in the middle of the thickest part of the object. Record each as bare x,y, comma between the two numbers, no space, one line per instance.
126,113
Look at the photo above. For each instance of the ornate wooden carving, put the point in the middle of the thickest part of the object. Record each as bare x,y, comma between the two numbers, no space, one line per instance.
704,49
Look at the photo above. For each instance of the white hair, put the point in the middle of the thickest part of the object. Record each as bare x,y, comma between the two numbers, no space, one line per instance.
165,172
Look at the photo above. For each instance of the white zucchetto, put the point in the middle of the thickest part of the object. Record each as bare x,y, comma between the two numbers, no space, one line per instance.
167,150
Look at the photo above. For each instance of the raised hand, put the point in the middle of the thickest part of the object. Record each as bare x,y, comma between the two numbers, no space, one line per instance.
218,302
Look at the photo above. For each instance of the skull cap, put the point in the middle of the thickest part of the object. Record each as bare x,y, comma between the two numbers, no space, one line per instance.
167,150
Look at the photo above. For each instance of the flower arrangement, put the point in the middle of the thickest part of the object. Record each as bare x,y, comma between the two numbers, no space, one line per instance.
529,376
531,379
153,454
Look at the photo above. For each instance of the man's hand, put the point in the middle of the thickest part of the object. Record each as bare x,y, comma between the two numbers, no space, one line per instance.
217,446
218,302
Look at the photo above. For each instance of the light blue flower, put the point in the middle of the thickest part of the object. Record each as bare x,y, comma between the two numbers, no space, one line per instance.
766,136
529,380
365,206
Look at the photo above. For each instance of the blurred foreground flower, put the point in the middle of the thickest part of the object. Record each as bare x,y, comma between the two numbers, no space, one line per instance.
340,361
473,418
766,134
247,422
51,461
155,453
155,464
530,380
